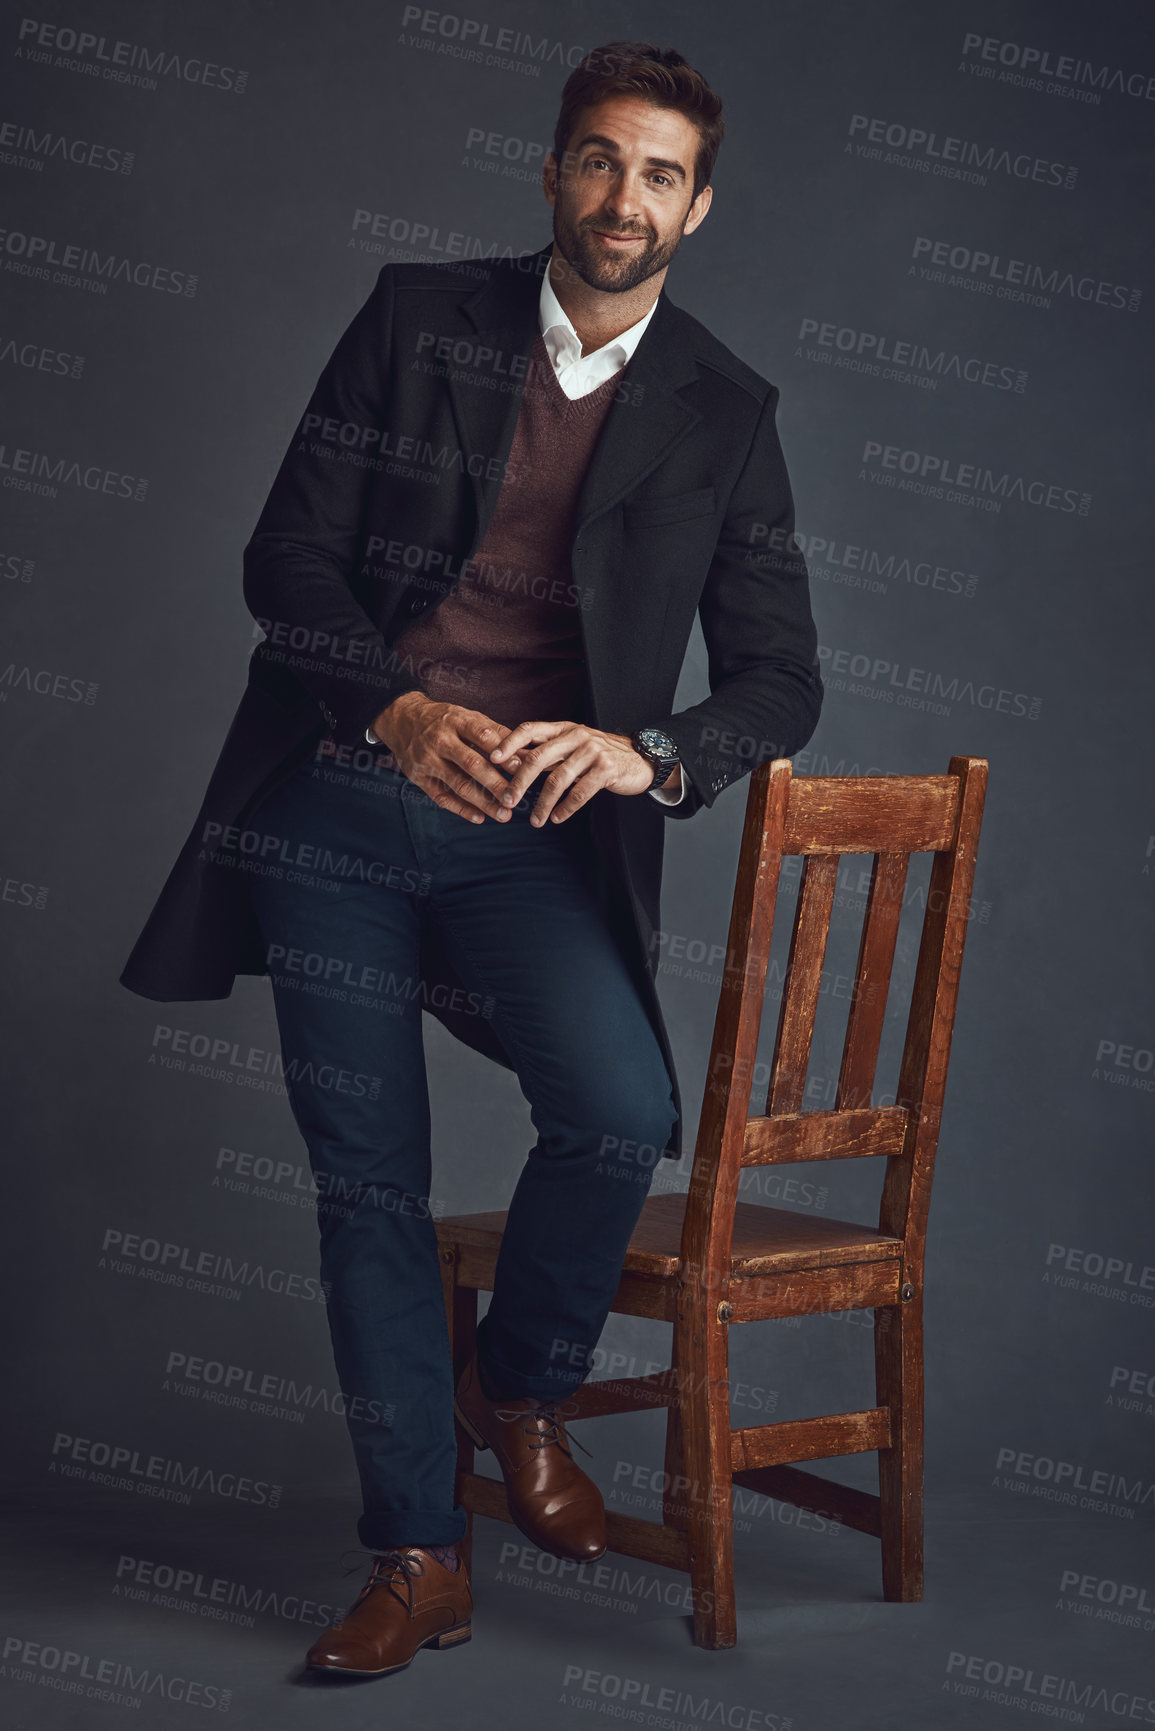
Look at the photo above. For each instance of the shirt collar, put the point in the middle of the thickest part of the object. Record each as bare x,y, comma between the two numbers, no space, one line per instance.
560,336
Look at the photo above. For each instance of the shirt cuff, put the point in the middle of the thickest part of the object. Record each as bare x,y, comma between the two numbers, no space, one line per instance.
664,797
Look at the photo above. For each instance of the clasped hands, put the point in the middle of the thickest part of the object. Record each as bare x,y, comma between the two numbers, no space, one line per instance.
460,758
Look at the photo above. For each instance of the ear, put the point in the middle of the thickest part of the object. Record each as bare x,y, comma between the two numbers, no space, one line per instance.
696,214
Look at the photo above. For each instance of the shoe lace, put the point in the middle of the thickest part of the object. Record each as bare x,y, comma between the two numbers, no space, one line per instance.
391,1569
551,1415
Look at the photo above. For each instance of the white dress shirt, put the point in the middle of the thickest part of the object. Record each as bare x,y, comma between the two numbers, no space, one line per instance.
578,374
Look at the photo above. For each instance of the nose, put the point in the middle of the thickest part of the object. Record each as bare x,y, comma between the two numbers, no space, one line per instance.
622,206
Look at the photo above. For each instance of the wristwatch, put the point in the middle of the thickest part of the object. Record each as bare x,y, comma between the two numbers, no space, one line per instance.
659,749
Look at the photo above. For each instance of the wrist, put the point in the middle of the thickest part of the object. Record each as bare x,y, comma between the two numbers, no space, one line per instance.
379,729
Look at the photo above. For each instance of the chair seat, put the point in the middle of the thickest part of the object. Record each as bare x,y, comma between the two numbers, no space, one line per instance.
766,1240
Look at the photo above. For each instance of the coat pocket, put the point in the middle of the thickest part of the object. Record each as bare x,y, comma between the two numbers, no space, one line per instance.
676,508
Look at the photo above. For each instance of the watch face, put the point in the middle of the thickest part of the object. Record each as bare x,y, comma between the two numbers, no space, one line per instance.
655,740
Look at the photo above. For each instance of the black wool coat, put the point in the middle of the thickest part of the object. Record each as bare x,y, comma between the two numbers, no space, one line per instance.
389,484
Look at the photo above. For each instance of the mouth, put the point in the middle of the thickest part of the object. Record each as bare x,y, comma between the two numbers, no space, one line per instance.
610,239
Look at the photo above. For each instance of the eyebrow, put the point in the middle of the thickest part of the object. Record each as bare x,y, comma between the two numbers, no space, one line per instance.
605,143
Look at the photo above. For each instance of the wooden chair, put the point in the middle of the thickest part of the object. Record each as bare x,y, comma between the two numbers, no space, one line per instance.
705,1261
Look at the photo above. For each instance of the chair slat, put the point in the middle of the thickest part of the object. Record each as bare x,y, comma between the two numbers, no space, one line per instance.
837,1502
809,1439
824,1135
801,986
647,1540
871,814
628,1394
818,1291
872,980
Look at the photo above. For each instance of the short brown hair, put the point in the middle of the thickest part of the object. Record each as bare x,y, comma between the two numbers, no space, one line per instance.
658,75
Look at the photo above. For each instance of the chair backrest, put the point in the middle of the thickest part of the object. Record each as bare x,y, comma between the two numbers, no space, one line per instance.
822,818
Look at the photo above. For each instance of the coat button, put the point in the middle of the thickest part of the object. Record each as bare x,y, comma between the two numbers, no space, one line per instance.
415,605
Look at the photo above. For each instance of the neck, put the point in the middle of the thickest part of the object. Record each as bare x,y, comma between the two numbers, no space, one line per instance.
598,317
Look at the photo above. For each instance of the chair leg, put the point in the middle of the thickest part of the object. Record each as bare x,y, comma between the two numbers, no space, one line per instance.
676,1481
898,1380
703,1359
461,1308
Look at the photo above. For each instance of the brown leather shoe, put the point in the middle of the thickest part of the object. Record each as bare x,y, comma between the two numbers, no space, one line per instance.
409,1601
552,1501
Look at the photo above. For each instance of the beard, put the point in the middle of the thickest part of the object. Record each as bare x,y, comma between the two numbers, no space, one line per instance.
605,271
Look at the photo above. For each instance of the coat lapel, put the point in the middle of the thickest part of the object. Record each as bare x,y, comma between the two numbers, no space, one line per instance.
641,428
502,320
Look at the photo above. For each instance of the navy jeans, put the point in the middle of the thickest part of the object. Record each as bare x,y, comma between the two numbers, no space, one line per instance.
357,863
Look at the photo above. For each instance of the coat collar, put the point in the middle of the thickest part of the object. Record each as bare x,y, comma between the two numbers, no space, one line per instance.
642,426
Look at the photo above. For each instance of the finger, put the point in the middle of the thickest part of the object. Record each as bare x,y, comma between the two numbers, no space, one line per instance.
522,734
559,781
580,793
479,731
458,779
478,769
540,758
444,797
476,730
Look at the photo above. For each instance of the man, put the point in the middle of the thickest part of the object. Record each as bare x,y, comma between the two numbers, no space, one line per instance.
477,570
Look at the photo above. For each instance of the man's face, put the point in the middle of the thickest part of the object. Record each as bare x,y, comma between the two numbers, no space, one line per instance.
623,198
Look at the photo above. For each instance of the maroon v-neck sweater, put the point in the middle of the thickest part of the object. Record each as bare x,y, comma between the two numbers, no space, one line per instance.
508,640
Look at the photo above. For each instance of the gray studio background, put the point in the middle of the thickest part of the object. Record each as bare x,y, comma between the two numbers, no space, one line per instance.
263,178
